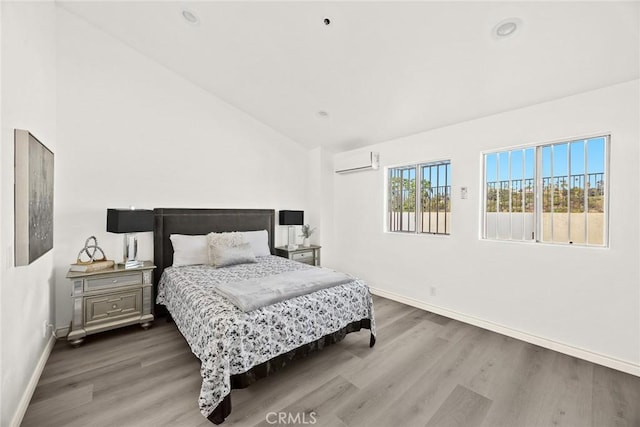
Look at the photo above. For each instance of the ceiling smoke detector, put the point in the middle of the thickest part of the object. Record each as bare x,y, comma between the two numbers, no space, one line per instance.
190,17
506,28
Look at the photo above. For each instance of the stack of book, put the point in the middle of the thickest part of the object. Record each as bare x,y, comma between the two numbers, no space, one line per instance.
94,266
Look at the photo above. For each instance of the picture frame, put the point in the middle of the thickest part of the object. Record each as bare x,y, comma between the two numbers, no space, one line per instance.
33,208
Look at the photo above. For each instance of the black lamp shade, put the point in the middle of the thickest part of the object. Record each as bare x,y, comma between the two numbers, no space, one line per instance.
291,217
129,220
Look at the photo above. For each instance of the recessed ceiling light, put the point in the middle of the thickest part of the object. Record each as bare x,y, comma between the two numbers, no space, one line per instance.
323,114
506,28
190,17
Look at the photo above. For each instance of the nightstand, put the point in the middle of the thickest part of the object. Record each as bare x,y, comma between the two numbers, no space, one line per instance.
109,299
308,255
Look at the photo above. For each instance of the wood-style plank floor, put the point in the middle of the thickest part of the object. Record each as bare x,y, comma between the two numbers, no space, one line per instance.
425,370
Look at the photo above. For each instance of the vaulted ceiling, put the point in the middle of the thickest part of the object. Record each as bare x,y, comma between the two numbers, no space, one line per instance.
379,70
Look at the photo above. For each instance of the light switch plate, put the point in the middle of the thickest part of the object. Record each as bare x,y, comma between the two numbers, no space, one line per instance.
463,192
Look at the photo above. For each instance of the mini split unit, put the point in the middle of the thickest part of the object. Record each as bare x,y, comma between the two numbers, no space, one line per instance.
357,161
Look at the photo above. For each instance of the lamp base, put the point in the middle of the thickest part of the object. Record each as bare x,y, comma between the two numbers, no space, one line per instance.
132,264
130,252
291,239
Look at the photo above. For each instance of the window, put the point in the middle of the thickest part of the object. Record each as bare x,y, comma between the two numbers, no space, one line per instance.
553,193
428,184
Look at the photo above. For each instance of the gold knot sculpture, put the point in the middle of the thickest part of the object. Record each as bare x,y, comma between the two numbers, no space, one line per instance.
90,249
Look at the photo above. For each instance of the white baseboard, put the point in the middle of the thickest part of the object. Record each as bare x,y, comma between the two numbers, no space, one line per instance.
580,353
33,382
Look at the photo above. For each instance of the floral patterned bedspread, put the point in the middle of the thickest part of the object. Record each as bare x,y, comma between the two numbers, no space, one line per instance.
228,341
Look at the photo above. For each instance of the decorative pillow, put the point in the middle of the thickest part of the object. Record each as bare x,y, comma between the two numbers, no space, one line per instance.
223,239
259,241
222,256
189,250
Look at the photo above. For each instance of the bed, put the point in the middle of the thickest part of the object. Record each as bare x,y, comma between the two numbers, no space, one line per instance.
237,348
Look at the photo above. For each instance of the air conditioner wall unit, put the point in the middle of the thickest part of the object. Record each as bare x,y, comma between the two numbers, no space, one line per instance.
356,161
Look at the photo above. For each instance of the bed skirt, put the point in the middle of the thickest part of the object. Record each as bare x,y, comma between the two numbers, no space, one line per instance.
273,365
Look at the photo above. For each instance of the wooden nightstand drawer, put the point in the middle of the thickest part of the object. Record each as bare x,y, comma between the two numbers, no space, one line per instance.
302,256
113,306
112,281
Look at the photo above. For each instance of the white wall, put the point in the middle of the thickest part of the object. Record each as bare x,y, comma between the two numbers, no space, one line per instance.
1,223
587,298
131,132
28,84
319,212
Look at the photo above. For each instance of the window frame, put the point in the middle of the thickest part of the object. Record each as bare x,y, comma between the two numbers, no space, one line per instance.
538,190
418,212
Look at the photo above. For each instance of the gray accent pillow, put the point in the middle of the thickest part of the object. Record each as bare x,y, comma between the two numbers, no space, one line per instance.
226,239
222,256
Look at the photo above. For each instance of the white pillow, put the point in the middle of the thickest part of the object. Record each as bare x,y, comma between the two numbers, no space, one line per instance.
259,241
189,250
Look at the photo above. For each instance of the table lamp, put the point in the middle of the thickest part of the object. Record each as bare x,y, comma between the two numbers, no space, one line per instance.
291,219
130,221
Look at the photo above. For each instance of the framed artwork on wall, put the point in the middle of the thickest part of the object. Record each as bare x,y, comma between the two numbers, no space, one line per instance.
33,198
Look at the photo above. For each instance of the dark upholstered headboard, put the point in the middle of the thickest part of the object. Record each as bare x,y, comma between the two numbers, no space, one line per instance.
201,221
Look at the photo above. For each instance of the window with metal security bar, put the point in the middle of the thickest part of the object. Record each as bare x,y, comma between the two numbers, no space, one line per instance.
419,198
552,193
